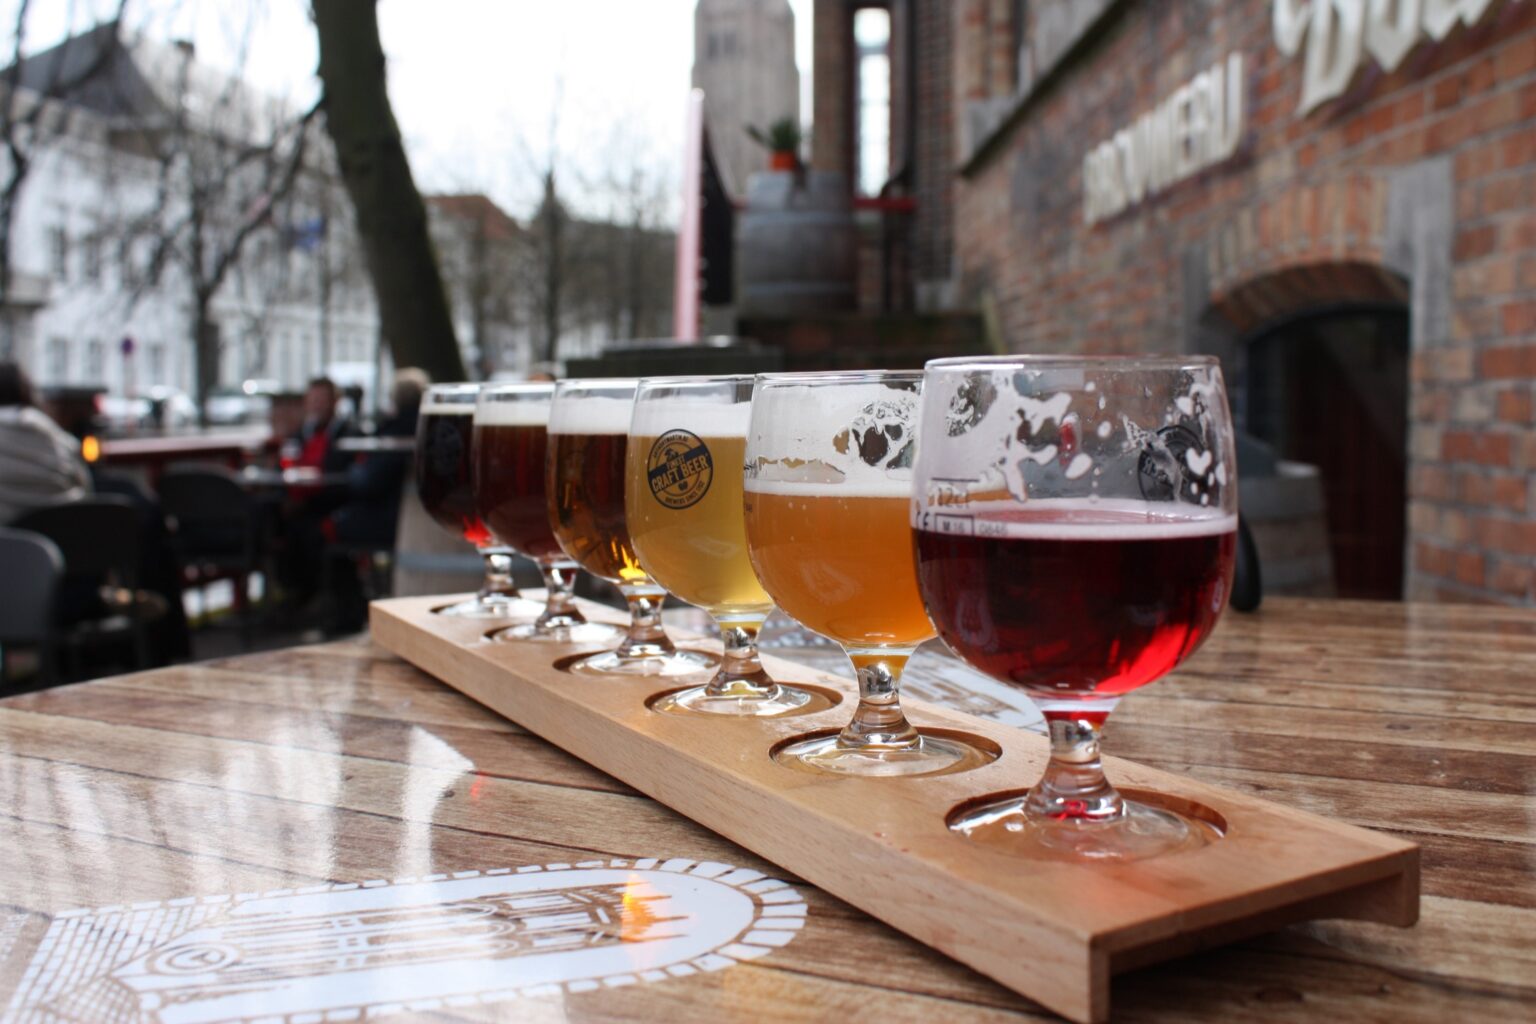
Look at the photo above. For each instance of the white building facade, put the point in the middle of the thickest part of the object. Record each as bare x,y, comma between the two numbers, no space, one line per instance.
91,309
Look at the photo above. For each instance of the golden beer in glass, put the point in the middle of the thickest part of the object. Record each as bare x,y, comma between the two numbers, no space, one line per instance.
827,496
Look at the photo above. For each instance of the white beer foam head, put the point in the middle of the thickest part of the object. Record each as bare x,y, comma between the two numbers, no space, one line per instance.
801,439
1078,519
887,488
695,415
439,407
583,415
528,412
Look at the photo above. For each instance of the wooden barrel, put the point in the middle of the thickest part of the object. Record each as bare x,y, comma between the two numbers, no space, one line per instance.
1288,516
796,245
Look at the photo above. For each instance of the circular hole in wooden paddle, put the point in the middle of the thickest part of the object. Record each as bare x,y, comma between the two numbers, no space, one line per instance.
944,752
665,702
998,820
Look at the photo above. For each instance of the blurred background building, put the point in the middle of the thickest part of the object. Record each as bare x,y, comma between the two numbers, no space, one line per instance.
744,60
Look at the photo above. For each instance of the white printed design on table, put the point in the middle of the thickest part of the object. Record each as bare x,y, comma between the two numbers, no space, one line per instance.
342,952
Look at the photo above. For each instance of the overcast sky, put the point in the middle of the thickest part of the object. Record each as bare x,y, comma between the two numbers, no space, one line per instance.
473,82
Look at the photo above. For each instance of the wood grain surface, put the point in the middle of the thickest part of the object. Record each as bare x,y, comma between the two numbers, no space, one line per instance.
305,768
1052,928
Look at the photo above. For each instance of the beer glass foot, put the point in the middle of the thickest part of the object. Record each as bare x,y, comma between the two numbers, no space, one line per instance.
930,755
573,633
1142,831
492,606
665,665
759,703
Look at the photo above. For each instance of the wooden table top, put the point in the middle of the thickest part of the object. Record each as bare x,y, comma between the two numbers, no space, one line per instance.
328,833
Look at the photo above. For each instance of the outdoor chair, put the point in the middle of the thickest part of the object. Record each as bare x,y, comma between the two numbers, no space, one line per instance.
100,603
32,568
217,532
1247,580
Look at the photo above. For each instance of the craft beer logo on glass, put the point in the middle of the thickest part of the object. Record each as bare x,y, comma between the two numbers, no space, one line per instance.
679,469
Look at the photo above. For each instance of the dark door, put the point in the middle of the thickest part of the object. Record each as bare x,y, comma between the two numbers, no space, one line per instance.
1332,389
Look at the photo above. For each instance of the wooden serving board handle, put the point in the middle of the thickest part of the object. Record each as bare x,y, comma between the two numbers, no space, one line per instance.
1055,931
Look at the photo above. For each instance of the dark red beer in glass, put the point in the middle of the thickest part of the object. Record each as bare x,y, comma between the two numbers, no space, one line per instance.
1075,529
1075,605
444,472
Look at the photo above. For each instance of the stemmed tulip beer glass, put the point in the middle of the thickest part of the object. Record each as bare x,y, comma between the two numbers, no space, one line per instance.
588,438
510,449
827,489
444,483
1075,524
684,506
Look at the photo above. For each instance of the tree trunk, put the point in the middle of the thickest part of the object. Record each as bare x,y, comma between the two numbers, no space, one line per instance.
205,353
391,217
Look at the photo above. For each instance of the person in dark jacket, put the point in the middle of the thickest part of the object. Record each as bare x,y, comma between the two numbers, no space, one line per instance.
371,512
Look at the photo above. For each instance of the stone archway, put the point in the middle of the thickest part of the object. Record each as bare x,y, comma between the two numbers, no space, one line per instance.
1377,240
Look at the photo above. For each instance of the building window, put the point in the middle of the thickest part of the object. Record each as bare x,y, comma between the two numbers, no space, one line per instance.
58,253
95,362
58,359
154,356
872,41
127,264
90,257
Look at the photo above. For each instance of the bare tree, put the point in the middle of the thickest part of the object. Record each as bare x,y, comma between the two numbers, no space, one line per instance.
224,157
551,256
30,119
391,217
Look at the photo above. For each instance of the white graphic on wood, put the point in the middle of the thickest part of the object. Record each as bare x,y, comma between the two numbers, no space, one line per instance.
373,948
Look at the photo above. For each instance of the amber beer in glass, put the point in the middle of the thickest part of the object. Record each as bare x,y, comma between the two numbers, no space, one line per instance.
510,449
1075,525
826,494
588,440
687,445
445,486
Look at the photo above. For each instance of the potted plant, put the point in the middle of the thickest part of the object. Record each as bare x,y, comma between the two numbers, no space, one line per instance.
782,140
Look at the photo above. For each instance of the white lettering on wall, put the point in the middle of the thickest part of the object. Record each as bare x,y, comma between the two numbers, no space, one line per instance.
1199,125
1339,34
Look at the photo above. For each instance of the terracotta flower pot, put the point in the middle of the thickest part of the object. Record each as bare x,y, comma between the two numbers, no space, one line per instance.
782,160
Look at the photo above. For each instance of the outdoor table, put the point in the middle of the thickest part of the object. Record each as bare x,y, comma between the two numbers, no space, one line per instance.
371,445
265,478
326,831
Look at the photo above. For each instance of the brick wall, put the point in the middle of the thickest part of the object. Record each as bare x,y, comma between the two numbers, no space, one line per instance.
934,148
1418,186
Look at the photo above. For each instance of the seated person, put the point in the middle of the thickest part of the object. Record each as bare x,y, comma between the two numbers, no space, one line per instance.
372,506
307,506
40,464
315,443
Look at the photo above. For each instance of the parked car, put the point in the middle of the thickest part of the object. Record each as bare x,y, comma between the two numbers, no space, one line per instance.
251,402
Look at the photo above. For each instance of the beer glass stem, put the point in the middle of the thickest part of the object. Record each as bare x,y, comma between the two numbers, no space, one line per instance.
1074,787
498,574
741,670
560,609
646,637
878,721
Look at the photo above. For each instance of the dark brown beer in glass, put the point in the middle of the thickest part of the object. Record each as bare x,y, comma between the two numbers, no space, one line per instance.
510,486
444,476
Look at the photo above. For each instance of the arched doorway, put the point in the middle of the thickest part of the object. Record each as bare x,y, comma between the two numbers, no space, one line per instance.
1330,387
